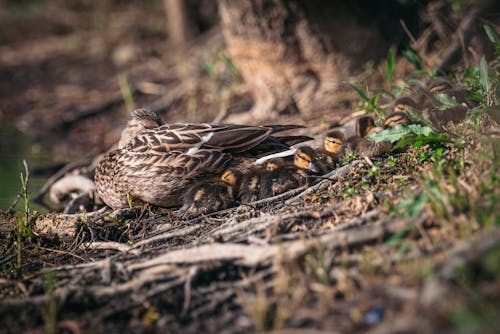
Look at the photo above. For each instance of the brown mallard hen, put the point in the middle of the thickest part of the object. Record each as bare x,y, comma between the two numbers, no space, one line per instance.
158,165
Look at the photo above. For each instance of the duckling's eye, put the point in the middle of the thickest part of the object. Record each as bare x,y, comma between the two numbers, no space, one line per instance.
305,157
272,166
229,177
335,141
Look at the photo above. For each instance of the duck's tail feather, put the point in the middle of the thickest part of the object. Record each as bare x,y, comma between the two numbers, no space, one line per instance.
279,128
292,140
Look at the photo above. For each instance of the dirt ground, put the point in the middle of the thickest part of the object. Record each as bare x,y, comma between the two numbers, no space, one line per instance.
408,242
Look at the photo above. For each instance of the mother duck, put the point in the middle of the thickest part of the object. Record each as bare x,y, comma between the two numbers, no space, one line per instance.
156,163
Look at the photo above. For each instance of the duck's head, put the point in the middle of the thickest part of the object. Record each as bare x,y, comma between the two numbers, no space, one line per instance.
304,159
404,103
231,176
333,141
439,86
364,125
395,119
139,120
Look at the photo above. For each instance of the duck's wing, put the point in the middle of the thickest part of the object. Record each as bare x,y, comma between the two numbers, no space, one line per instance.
176,164
279,128
183,137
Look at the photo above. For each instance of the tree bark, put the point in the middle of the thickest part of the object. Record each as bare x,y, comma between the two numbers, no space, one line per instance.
177,21
294,54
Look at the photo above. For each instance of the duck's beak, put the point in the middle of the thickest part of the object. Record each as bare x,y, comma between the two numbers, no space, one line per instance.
313,168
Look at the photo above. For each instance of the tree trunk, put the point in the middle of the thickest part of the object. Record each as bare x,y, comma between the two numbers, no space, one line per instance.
177,21
294,54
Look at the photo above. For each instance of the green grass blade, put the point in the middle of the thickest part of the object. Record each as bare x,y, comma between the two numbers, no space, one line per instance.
492,35
484,78
360,92
390,65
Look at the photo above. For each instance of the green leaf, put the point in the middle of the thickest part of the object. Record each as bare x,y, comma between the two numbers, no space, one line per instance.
444,101
360,92
492,35
421,140
474,96
412,58
396,133
389,68
484,78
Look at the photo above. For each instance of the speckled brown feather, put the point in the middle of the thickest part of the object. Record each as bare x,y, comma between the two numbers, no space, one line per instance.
157,165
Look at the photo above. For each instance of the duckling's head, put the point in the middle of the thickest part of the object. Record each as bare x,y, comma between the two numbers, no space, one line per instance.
333,141
304,159
404,103
139,120
231,176
395,119
364,125
439,86
374,130
274,164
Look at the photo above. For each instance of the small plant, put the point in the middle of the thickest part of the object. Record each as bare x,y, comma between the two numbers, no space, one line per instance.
22,220
414,134
50,312
390,65
126,91
413,57
130,201
369,104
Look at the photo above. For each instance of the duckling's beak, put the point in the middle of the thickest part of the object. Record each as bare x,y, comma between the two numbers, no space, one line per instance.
312,167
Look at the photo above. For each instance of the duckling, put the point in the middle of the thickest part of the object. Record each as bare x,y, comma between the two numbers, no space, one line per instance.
159,164
364,126
283,175
250,188
207,196
396,118
278,176
353,126
441,117
360,146
404,104
439,86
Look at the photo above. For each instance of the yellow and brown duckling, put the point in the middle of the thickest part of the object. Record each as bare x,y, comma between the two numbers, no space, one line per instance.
283,175
396,118
252,182
206,197
404,104
158,165
357,145
441,117
278,175
354,126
